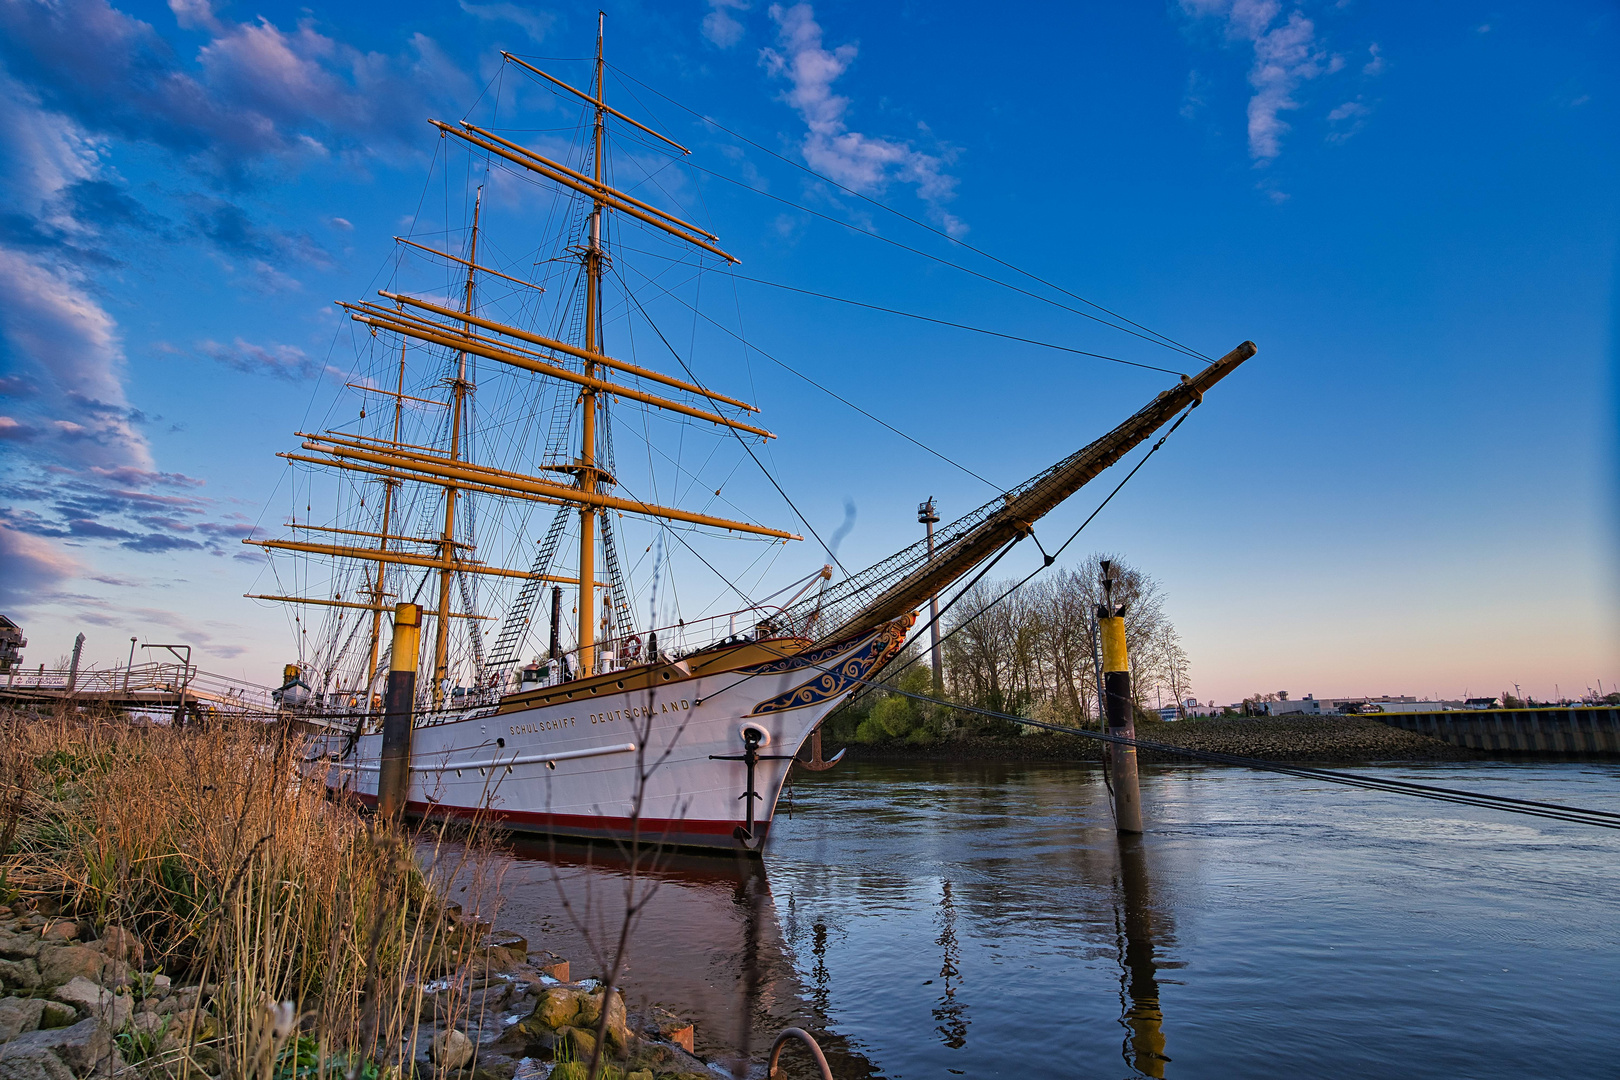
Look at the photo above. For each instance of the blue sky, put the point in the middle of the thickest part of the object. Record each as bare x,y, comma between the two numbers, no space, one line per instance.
1412,211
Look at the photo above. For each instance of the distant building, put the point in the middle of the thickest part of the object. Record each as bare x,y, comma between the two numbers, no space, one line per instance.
12,643
1307,705
1410,705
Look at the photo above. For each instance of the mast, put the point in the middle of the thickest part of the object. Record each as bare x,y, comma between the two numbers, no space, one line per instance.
587,399
900,583
447,541
378,591
458,330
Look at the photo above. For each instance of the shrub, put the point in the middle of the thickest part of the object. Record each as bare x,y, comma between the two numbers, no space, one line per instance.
870,732
894,715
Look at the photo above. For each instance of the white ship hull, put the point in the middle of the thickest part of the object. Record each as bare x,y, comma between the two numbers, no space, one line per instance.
597,761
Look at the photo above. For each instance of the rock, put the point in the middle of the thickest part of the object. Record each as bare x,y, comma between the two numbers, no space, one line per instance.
147,1022
503,949
206,1027
590,1014
159,986
651,1056
119,944
19,945
55,1015
493,1066
39,1065
450,1050
660,1023
81,1047
59,931
556,1007
581,1041
558,970
18,1015
61,964
20,974
87,997
489,999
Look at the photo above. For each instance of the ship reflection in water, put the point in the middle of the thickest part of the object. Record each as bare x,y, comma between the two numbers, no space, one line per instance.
936,920
704,941
711,939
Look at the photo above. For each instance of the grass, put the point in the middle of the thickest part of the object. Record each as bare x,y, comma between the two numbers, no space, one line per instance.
312,928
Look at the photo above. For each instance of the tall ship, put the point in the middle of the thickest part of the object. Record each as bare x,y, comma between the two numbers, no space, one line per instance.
469,468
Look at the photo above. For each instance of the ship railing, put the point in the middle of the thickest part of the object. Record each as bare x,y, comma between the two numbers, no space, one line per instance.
675,641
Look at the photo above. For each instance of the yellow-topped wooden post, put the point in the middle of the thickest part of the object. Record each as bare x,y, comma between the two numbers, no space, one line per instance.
394,779
1118,708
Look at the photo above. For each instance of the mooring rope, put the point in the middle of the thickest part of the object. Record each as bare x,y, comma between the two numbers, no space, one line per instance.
1603,819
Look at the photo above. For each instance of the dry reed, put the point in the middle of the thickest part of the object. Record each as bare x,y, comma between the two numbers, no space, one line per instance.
315,931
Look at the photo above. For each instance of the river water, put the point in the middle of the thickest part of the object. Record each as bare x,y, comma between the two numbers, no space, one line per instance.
937,920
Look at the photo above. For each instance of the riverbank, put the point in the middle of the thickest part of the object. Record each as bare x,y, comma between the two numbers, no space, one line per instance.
178,903
1335,739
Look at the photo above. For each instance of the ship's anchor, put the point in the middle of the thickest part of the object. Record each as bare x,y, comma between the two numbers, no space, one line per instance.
815,764
753,736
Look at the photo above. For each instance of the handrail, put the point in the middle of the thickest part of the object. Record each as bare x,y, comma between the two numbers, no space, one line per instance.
803,1036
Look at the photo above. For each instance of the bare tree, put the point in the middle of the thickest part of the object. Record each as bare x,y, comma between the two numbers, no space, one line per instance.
1032,650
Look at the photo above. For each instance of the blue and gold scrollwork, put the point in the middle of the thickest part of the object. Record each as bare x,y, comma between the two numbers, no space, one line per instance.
845,677
800,660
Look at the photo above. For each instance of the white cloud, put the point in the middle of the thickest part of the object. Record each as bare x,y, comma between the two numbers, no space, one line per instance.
1374,66
195,14
536,24
1346,120
1286,55
1192,102
864,163
65,355
287,362
719,26
33,565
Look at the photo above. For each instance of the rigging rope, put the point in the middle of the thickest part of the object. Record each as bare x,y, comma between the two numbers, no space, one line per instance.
1578,815
896,311
956,325
744,442
1155,337
1602,819
830,393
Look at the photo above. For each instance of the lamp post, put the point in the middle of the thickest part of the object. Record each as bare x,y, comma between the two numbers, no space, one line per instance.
129,665
928,515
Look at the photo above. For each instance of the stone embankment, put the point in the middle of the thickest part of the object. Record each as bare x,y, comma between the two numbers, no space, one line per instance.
80,1004
1338,739
521,1016
70,1001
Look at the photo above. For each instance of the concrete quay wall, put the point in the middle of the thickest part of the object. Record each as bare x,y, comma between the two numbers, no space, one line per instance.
1593,732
